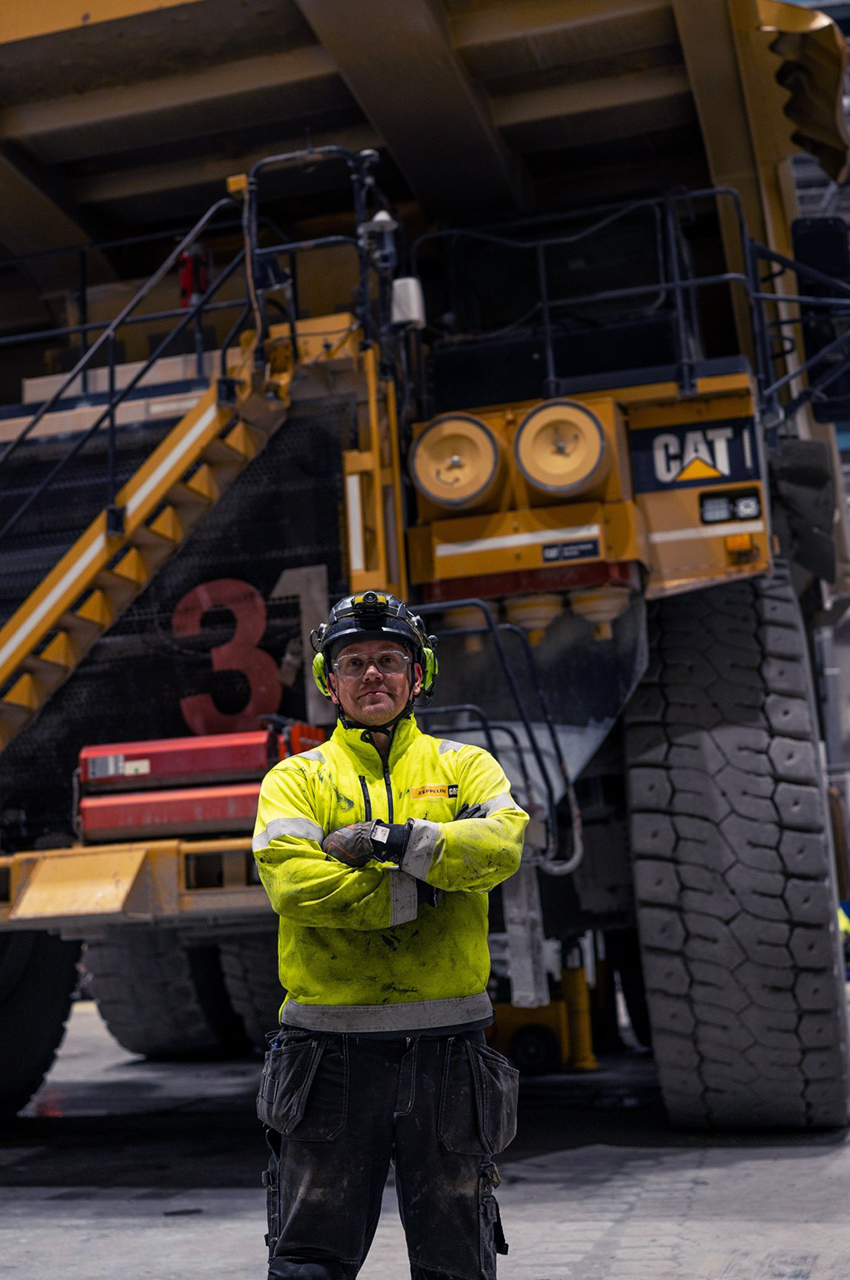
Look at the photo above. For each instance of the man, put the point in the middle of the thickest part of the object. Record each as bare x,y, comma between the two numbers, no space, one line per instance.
377,851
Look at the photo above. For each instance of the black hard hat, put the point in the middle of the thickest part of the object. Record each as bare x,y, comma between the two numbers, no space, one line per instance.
368,616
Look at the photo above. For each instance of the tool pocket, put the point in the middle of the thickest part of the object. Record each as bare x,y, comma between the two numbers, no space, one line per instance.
304,1086
478,1099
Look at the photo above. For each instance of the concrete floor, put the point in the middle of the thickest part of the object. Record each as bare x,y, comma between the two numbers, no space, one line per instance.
126,1170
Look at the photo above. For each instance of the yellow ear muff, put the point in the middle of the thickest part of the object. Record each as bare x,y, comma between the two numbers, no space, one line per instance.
432,668
320,674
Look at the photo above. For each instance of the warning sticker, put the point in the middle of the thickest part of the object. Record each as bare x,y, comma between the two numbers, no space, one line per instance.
136,768
585,549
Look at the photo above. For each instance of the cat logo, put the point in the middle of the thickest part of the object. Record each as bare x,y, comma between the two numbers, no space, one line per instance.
689,456
700,455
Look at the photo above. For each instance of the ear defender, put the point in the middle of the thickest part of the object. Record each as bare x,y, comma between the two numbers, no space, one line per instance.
432,669
320,674
403,627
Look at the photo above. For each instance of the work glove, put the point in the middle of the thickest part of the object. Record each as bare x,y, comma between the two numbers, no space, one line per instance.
360,842
426,895
469,811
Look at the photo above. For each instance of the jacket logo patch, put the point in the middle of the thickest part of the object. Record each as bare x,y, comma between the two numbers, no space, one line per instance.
436,791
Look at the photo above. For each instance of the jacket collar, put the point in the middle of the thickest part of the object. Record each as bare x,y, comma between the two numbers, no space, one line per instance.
366,753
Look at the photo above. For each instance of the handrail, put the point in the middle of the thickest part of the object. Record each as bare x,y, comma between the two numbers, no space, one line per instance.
492,629
44,335
143,292
359,164
367,244
469,708
114,401
680,286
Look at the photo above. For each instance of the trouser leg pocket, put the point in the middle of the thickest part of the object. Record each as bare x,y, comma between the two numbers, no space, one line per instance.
491,1236
271,1181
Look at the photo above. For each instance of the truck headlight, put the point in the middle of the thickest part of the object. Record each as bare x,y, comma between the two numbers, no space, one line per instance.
560,448
456,461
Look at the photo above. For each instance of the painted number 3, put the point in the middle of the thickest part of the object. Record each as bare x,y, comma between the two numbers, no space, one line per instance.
240,653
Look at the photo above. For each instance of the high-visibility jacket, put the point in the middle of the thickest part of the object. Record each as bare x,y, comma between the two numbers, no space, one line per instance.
357,951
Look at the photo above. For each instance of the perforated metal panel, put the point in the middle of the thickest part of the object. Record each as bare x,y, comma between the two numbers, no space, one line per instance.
282,512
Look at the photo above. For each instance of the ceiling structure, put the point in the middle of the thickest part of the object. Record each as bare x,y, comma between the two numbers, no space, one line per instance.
137,120
130,116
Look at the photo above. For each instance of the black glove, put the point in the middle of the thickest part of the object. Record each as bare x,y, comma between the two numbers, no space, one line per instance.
426,895
360,842
390,840
469,811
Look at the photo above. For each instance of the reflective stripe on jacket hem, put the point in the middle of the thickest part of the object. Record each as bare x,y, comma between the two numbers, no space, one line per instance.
404,900
301,828
421,844
410,1016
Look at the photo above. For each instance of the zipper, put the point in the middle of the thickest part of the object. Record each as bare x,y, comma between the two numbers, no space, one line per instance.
367,737
364,788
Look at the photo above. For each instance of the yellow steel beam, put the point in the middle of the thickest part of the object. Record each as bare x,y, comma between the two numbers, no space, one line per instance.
399,64
734,50
184,175
43,17
708,45
31,220
663,86
72,127
599,27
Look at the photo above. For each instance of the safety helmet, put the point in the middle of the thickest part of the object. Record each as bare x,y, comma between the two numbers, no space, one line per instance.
369,616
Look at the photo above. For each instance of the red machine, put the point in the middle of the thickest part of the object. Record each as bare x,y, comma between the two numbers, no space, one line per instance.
180,786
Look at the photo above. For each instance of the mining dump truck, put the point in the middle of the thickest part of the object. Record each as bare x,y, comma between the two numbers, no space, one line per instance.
594,443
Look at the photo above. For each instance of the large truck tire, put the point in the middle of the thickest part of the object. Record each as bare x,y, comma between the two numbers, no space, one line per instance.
249,964
733,866
161,998
38,974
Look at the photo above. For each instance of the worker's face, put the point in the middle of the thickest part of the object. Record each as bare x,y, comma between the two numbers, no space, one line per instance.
364,689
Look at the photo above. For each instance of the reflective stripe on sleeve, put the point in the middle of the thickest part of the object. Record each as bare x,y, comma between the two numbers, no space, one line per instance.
301,828
421,844
502,801
404,900
446,744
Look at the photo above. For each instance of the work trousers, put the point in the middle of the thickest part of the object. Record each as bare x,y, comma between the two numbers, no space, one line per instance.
342,1107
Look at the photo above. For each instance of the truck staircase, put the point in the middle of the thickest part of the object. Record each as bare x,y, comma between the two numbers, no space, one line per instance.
145,520
114,558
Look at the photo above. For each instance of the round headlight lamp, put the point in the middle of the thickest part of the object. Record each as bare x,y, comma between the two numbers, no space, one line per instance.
455,462
560,448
